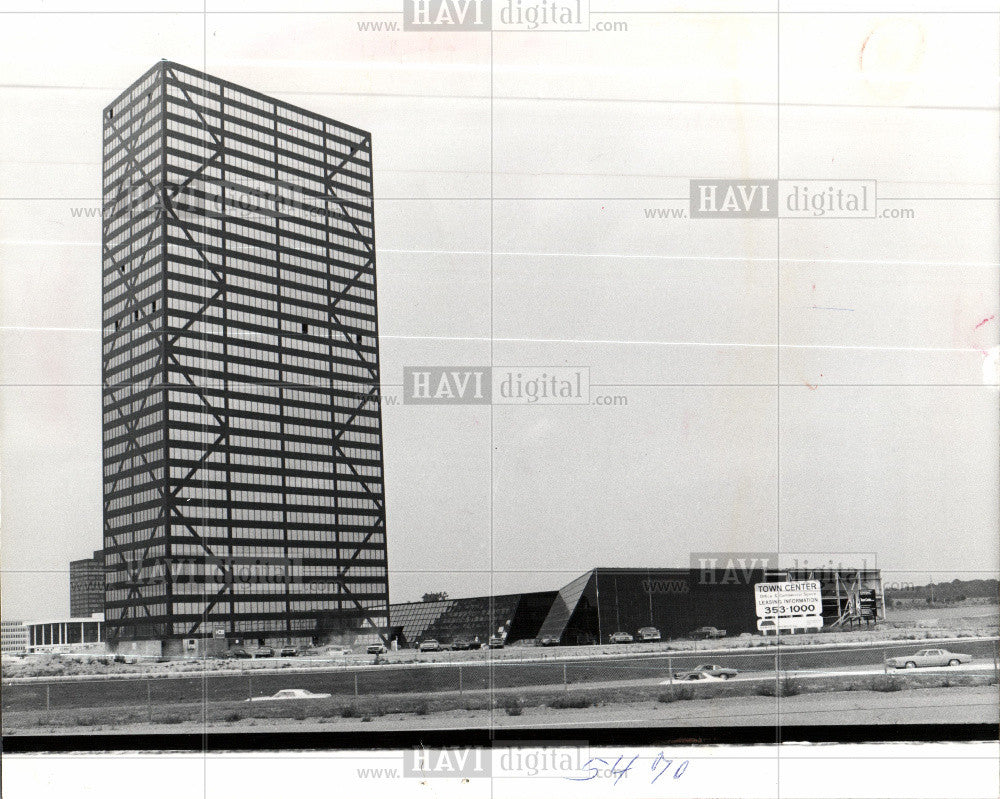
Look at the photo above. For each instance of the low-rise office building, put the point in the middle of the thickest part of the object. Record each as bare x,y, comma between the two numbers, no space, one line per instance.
67,635
472,620
13,637
619,602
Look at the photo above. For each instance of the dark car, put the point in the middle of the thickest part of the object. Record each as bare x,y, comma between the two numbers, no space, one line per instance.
548,640
239,653
289,651
704,633
460,644
706,670
264,652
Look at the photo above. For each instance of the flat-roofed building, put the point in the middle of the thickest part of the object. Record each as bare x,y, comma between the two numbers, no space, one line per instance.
13,637
86,586
67,634
243,484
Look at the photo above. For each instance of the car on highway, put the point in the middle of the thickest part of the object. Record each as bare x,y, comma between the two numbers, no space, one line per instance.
264,652
376,649
928,657
706,671
649,634
621,638
289,693
496,643
239,654
701,675
430,645
289,651
703,633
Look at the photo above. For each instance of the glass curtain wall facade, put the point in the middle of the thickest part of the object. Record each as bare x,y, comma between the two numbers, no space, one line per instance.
242,424
512,617
86,586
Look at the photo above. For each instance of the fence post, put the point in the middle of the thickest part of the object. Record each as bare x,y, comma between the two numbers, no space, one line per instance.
565,679
885,661
460,678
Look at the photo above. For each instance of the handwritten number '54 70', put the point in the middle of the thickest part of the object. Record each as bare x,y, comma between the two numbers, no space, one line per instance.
599,767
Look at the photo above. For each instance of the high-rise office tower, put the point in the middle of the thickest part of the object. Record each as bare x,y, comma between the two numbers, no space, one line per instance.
86,586
243,489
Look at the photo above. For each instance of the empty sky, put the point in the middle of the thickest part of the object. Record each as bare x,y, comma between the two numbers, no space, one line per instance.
808,386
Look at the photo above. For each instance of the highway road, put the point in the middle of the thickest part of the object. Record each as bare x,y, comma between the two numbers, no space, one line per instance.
976,667
501,675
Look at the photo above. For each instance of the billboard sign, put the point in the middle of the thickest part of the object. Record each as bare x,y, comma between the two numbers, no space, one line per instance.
780,600
867,606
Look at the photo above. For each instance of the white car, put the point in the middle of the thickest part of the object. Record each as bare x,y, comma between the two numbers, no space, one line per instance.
706,675
290,693
928,657
648,634
697,676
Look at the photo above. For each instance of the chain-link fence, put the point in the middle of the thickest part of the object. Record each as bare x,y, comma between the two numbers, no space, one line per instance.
510,680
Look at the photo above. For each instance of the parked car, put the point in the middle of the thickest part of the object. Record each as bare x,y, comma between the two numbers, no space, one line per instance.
708,632
430,645
239,654
649,634
706,670
376,649
621,638
928,657
790,625
496,643
289,693
460,644
289,651
264,652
